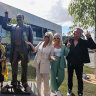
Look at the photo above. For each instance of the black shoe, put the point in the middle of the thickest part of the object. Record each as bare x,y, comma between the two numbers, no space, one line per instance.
69,93
28,89
15,89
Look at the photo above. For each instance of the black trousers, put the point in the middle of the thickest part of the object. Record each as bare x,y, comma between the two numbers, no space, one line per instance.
79,71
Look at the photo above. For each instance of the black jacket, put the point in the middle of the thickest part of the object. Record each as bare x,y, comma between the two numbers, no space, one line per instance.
84,45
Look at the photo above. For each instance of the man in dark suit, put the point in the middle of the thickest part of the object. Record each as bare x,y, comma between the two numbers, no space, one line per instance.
76,58
19,50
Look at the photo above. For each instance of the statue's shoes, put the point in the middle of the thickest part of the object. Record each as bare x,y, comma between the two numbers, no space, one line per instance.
28,89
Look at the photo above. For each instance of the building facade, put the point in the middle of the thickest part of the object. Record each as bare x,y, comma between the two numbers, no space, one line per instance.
39,25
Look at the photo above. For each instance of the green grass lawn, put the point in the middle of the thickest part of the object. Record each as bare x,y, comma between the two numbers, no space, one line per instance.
89,89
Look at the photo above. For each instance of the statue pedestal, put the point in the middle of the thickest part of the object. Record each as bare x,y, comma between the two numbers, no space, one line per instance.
8,90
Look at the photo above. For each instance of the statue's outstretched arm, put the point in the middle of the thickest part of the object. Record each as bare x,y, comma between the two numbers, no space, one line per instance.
4,23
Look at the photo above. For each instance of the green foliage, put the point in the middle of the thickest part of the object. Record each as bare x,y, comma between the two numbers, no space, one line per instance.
83,12
14,21
7,39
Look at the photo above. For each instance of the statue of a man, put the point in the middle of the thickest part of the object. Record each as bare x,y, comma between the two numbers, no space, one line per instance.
19,50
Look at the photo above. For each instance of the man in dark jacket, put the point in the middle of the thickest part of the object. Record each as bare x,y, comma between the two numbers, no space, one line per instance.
19,50
76,58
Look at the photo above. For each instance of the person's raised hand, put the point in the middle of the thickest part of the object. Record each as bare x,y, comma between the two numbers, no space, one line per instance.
88,34
68,44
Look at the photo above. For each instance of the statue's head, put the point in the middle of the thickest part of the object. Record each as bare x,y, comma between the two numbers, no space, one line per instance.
20,19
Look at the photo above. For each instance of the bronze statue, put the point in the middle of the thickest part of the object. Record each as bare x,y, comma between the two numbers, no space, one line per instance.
20,32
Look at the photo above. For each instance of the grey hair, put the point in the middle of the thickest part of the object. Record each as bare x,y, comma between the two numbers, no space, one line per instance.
80,30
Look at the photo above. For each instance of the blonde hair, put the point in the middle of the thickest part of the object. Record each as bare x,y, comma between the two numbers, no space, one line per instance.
57,35
50,34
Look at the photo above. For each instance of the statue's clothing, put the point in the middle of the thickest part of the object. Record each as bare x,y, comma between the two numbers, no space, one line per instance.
18,34
19,49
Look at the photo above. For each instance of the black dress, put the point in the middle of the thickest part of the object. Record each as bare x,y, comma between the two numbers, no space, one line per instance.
1,76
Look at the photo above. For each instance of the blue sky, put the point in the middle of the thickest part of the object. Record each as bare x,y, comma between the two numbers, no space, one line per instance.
47,11
65,29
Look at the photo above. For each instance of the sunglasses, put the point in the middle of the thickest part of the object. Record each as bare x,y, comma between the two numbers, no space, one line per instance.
46,36
56,38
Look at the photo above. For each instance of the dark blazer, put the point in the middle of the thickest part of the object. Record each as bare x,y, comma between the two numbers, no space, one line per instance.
84,45
12,29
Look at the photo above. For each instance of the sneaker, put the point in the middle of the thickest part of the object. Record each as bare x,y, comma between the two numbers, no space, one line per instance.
58,93
80,94
69,93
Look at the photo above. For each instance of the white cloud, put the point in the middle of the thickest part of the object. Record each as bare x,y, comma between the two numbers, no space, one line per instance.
36,7
65,3
41,7
53,10
67,23
59,14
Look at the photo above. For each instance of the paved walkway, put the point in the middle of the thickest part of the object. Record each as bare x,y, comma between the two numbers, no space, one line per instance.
92,63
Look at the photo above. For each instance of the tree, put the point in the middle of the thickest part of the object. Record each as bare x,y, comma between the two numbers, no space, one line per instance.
84,14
